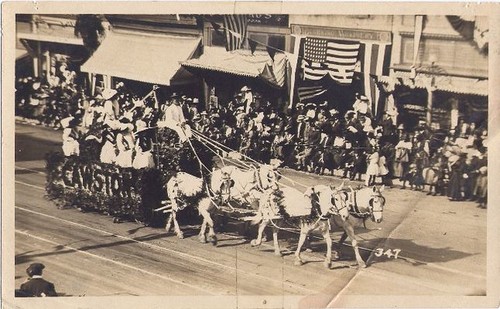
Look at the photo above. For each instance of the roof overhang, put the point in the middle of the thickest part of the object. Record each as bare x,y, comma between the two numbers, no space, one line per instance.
460,85
150,59
237,62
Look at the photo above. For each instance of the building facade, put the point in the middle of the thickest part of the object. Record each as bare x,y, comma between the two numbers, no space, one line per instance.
441,80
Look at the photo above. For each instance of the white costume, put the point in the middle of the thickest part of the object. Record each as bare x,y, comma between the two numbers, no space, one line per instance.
125,146
373,165
143,158
174,119
70,144
361,106
108,154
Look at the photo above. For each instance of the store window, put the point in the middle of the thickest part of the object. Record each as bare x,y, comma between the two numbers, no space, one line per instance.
264,39
276,41
455,56
217,39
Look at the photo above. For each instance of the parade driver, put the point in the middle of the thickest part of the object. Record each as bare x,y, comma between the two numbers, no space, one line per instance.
174,119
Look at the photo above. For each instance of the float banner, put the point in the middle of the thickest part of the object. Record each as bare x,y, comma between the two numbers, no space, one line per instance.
93,186
95,178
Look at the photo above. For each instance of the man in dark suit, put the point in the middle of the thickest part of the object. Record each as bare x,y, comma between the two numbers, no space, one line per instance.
36,285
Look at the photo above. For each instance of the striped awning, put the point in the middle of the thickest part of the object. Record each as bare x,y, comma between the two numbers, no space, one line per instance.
238,62
150,59
460,85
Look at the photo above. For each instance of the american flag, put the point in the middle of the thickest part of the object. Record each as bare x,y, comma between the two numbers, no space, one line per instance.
373,61
308,92
334,57
235,28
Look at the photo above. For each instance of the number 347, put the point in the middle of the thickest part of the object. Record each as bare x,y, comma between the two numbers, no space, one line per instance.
390,253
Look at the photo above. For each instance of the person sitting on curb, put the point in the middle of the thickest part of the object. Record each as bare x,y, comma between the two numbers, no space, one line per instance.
36,285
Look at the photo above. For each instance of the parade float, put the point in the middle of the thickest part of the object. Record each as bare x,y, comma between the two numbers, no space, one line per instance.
82,180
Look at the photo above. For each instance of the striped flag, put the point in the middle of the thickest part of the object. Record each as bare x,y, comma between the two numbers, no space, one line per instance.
472,28
235,28
374,60
308,92
275,72
334,57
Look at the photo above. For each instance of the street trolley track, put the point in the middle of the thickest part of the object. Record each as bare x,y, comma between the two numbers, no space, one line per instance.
160,248
168,278
296,232
372,271
171,251
206,261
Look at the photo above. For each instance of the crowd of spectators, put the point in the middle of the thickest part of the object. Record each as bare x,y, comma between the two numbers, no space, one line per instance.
311,137
49,99
317,139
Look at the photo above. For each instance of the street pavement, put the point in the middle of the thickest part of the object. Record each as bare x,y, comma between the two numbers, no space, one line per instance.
425,245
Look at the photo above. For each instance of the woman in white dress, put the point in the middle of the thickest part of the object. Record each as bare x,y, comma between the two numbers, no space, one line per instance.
143,147
372,170
383,171
70,146
108,150
125,145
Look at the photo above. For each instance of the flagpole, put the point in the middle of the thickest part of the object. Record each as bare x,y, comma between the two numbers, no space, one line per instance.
294,65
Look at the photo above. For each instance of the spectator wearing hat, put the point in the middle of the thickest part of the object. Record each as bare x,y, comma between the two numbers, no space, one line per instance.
323,108
311,110
36,285
247,98
362,105
402,156
301,128
174,119
238,100
469,177
313,137
185,104
354,128
299,110
387,123
326,130
193,108
336,124
456,167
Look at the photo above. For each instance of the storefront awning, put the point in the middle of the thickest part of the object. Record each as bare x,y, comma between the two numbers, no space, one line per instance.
238,62
56,35
453,84
150,59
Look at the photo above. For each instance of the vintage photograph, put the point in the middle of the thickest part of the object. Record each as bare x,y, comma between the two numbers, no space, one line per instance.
292,160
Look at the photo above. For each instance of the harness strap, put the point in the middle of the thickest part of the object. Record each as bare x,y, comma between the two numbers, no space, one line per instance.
354,208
